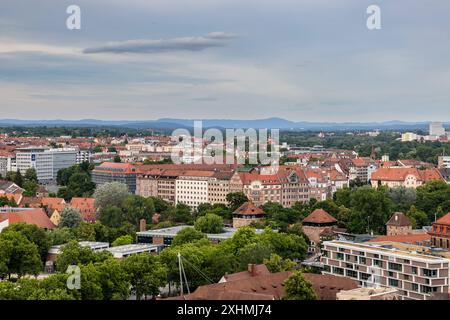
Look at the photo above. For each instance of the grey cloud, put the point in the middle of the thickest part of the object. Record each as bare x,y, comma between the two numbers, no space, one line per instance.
198,43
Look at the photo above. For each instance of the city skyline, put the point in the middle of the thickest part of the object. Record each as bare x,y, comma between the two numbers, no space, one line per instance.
312,61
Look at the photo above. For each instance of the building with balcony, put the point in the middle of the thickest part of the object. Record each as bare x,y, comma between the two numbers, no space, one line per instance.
416,275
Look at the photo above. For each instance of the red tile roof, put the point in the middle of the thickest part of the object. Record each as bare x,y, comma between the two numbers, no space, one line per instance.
319,216
327,286
86,207
404,238
249,208
399,219
443,220
400,174
37,217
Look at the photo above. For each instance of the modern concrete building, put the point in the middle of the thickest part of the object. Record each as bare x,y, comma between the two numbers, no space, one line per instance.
415,275
165,236
47,162
115,172
124,251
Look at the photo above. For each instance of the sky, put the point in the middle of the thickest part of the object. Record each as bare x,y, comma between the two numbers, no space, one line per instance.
302,60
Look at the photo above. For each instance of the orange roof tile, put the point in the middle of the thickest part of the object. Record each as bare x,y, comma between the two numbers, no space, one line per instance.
249,208
37,217
319,216
404,238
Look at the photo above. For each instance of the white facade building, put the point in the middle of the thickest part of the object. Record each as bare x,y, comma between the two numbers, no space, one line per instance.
437,129
47,162
192,191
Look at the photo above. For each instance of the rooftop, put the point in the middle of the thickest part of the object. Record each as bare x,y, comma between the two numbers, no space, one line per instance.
392,248
172,232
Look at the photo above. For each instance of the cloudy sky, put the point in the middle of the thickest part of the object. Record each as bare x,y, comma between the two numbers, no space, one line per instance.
303,60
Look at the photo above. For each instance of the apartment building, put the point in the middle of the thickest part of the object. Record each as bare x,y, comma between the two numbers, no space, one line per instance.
192,188
115,172
47,162
285,186
161,181
84,156
417,276
362,168
403,177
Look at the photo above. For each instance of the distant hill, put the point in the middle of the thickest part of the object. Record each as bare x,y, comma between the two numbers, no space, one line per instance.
271,123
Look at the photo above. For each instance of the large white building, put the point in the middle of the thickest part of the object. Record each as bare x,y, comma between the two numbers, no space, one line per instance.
437,129
192,190
47,162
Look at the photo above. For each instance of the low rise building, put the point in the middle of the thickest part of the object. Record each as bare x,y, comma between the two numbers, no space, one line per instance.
398,224
246,215
165,236
124,251
440,232
403,177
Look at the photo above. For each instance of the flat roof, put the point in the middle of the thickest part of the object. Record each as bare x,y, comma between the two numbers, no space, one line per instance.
172,232
128,249
90,244
394,251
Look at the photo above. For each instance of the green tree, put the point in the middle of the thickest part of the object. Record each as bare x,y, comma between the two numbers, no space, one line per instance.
137,208
277,264
210,223
19,255
288,246
31,175
111,216
74,254
187,235
61,235
111,194
418,218
34,234
236,199
432,195
145,273
254,253
122,240
371,209
113,280
70,217
298,288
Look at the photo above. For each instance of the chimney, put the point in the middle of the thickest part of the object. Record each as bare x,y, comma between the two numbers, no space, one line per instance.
142,225
252,269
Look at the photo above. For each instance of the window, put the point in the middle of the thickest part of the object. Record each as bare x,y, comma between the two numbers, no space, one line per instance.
338,271
378,263
429,273
364,276
352,273
414,270
395,266
362,260
393,282
425,289
340,256
415,287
